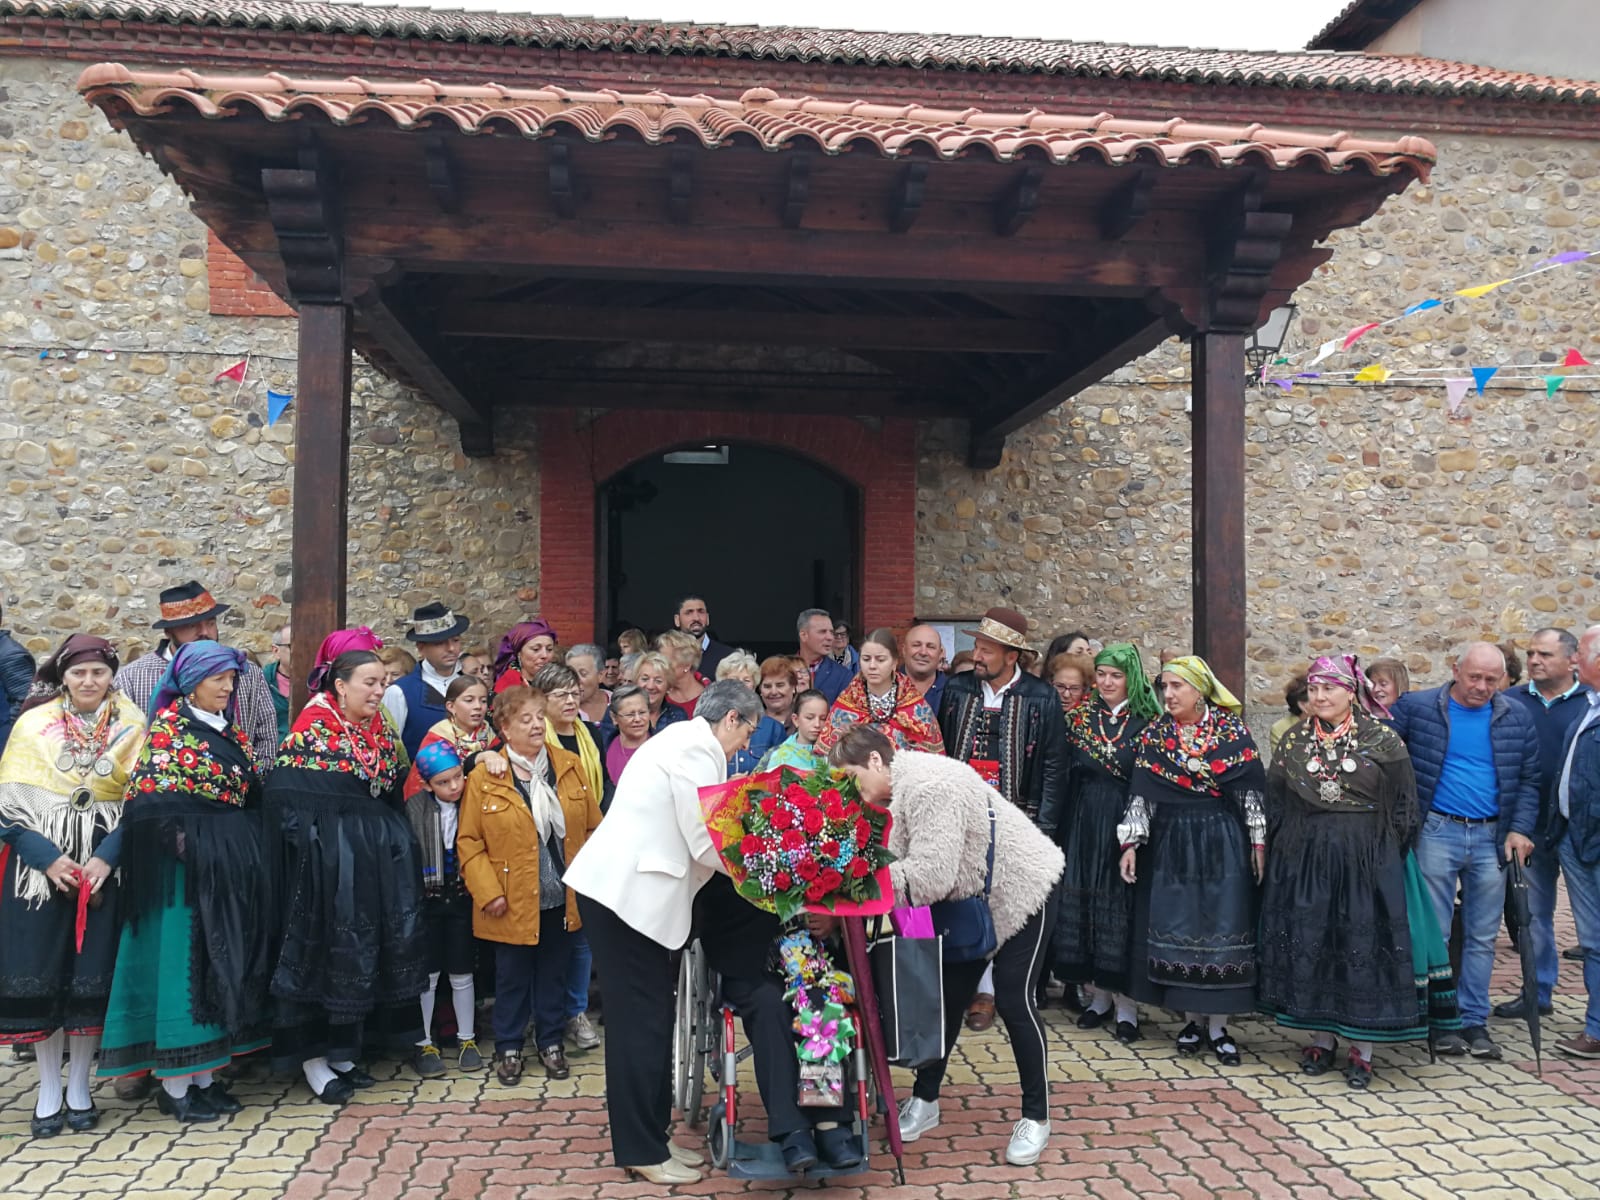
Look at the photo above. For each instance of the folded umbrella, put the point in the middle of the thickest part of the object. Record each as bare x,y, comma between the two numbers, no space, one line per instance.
1519,916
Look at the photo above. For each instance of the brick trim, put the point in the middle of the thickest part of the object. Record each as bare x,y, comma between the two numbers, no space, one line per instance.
577,454
236,290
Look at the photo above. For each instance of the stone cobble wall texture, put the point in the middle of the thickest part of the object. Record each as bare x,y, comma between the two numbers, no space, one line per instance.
1377,521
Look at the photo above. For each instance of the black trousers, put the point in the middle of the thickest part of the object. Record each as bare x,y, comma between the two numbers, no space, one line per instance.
639,981
768,1024
1018,965
531,981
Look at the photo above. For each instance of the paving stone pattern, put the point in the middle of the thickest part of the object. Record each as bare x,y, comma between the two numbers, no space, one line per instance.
1129,1122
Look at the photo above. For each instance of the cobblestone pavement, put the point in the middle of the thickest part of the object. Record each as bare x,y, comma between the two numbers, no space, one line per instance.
1129,1122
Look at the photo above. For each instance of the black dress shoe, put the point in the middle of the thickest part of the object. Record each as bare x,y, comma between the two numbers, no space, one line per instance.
1517,1010
220,1098
190,1108
1126,1032
1574,953
1089,1019
336,1091
356,1077
1191,1039
81,1120
799,1151
838,1147
43,1127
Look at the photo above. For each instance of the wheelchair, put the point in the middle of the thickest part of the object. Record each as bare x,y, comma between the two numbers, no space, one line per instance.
705,1042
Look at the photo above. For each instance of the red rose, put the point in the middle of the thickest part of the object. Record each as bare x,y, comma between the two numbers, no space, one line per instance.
816,892
792,840
831,879
860,868
807,868
814,821
831,796
835,810
863,831
768,803
798,796
783,819
1218,766
783,881
829,848
751,844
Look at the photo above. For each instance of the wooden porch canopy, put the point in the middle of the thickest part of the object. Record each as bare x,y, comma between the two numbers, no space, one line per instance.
504,246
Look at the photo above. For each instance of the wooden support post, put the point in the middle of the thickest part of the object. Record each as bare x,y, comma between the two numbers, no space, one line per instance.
321,482
1218,545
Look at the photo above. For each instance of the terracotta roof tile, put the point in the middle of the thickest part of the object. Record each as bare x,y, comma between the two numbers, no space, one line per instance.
760,117
1302,69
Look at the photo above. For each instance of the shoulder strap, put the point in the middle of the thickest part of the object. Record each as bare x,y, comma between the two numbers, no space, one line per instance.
988,874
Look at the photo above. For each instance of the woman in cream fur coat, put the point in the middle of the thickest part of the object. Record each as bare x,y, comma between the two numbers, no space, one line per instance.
940,840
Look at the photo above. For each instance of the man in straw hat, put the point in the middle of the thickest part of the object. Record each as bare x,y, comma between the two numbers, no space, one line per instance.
1007,726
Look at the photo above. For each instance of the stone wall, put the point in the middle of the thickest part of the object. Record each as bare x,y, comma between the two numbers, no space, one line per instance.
125,473
1377,522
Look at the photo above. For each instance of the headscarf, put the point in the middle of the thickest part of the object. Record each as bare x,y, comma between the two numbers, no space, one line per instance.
1125,657
1344,671
518,636
436,758
194,662
78,648
1196,672
340,641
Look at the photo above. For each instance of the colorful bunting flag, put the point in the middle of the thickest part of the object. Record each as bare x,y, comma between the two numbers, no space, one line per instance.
235,372
1552,384
1574,359
276,403
1482,375
1376,373
1566,256
1355,335
1483,289
1328,347
1286,384
1455,391
1422,306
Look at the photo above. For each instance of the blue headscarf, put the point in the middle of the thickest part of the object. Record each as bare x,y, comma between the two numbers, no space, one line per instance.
192,664
436,758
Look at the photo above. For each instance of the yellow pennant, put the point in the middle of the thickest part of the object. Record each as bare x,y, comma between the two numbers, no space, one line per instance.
1483,289
1376,373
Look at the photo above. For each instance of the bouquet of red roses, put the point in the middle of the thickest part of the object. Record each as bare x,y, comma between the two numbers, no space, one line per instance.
801,839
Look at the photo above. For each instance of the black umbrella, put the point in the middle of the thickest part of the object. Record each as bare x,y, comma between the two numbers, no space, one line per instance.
1519,916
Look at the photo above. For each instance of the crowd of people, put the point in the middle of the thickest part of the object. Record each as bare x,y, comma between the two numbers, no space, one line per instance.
192,872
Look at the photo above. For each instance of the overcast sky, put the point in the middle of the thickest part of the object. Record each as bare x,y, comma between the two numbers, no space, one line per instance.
1232,24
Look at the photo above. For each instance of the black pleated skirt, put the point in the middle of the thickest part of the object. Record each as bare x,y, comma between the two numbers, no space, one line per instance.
1095,906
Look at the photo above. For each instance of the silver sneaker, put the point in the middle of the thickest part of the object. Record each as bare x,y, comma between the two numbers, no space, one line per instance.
581,1033
917,1117
1028,1140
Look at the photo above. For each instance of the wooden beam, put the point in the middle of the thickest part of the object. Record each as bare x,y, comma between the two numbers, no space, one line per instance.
1126,206
1018,202
1120,340
680,186
441,174
1245,246
562,322
321,483
429,365
303,210
909,192
734,391
797,190
558,179
1217,504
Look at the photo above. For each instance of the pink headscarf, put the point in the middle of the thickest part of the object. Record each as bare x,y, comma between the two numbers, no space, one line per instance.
518,636
1344,671
337,643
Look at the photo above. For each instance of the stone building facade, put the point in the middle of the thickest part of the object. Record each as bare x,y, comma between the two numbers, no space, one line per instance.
1378,521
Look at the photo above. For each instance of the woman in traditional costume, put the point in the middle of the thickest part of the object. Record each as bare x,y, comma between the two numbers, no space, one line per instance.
192,968
61,784
352,958
1091,934
1194,842
1349,941
527,646
885,699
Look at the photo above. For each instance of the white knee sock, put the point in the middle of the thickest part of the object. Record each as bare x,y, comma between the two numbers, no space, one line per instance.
464,997
1099,1000
177,1088
47,1057
427,1008
341,1066
83,1047
1127,1010
1364,1049
1325,1040
1219,1022
201,1079
318,1073
986,984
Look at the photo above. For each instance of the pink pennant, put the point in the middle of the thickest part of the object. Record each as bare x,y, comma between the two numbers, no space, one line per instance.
1574,359
1455,391
1356,334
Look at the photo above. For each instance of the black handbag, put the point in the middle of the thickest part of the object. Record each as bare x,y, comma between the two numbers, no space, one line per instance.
908,974
966,926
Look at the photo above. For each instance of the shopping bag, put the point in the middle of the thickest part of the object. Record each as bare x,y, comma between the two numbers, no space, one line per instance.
908,975
913,922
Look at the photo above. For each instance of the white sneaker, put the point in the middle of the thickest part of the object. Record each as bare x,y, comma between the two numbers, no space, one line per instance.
917,1117
581,1033
1028,1140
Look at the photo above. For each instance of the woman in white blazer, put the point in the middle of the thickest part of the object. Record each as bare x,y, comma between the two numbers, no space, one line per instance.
636,880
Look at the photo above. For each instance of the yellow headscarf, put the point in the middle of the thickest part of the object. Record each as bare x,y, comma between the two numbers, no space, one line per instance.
1197,673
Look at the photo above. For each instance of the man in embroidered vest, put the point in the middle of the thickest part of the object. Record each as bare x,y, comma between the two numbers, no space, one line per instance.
416,701
1006,725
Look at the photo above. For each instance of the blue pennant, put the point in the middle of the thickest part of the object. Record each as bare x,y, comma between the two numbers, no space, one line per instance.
1482,375
276,403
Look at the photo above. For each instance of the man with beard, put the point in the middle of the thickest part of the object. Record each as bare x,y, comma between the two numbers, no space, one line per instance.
693,618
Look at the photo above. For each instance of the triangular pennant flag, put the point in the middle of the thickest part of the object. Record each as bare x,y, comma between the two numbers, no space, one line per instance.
1455,391
1483,289
1355,335
1552,384
1286,384
1422,306
1574,359
1482,375
235,372
1331,346
276,403
1566,256
1376,373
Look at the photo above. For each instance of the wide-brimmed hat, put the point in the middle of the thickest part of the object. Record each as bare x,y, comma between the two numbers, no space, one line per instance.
1004,625
435,623
186,604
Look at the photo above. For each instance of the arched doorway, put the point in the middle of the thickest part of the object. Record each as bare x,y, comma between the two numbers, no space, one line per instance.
760,532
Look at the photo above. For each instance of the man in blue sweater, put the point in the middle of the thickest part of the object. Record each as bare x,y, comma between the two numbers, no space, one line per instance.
1555,699
1476,758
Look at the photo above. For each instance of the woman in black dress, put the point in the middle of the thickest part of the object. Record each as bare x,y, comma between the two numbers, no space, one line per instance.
1194,845
1091,936
1349,943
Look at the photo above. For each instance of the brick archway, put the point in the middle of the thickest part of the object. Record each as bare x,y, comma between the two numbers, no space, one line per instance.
578,451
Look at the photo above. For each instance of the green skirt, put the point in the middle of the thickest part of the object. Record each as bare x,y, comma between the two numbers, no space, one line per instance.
150,1025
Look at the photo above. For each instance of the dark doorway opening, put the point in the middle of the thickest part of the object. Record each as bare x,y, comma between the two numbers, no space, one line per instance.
760,533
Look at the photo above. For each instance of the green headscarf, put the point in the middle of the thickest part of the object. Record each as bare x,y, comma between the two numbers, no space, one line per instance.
1124,656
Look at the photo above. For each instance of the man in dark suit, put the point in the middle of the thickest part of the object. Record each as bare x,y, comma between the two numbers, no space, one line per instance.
694,619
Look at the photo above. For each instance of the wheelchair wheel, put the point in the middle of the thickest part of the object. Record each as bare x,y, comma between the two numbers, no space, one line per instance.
719,1138
688,1036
